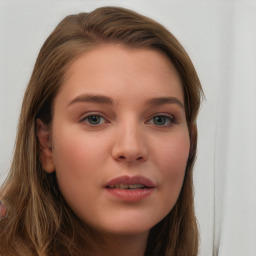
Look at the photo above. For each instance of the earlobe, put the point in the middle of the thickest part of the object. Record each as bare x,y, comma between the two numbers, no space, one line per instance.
43,132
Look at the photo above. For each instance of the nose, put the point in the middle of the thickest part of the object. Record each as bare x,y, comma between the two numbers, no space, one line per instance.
130,144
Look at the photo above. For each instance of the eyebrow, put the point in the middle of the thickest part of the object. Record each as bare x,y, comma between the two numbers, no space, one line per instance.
92,98
158,101
165,100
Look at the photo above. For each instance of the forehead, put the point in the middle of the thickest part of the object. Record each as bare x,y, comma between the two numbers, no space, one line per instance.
113,68
123,56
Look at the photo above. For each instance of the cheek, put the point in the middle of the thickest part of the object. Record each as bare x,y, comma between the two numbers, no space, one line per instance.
74,148
77,160
172,161
69,155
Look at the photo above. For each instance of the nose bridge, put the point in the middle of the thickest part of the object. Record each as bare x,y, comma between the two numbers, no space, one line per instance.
130,142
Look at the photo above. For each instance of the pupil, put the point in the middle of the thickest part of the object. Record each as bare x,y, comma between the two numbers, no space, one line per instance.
94,119
159,120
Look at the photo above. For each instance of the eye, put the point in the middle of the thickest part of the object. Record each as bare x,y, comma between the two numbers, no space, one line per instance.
162,120
94,119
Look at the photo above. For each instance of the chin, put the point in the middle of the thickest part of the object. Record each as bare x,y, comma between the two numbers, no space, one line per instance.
128,226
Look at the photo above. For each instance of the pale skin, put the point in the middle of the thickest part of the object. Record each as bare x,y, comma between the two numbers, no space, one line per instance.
120,112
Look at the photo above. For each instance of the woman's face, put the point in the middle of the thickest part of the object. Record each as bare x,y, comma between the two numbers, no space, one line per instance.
119,138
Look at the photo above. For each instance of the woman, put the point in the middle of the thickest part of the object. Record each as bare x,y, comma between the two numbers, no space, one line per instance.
106,143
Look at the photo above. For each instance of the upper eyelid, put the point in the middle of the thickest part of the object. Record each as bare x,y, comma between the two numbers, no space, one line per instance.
108,118
93,113
162,114
96,113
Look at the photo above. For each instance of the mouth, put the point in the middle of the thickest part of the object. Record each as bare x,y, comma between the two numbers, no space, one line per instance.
130,189
130,182
127,186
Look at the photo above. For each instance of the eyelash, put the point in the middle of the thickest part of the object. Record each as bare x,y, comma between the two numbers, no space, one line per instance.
86,119
167,118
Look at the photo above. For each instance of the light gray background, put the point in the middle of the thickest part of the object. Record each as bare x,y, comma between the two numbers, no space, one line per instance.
220,37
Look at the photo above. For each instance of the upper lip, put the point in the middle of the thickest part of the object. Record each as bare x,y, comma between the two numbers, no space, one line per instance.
129,180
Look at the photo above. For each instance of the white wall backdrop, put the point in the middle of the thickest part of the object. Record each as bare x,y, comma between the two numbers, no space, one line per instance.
220,37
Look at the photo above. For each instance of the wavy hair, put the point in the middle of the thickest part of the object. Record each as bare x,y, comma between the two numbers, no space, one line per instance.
38,220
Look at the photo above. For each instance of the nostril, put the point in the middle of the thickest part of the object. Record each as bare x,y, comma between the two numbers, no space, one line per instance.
127,158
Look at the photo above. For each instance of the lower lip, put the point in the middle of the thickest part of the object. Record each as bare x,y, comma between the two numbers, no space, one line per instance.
130,195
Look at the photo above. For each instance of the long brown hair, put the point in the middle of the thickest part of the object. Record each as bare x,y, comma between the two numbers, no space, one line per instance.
38,220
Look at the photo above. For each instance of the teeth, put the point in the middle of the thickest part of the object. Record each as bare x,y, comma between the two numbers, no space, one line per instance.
134,186
122,186
126,186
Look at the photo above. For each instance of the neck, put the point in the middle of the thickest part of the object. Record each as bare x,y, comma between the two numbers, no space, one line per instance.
125,245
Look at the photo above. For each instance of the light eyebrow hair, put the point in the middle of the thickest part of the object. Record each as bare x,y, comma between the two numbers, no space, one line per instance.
165,100
92,98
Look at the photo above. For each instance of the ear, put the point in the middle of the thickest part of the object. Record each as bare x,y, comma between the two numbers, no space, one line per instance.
193,141
43,132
